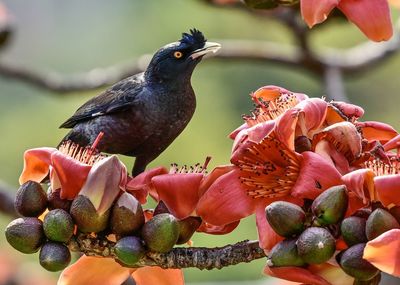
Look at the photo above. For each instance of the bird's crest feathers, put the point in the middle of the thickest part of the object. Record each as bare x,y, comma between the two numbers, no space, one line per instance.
194,38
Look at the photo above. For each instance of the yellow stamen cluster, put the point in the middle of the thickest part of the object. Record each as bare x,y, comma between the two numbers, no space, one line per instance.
381,168
86,155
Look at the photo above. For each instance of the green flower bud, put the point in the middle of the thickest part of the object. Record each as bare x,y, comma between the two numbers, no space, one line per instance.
161,232
316,245
58,225
378,222
331,205
285,253
25,234
285,218
54,256
129,250
353,230
353,264
30,200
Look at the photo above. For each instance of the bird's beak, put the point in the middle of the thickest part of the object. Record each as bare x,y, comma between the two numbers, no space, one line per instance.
207,48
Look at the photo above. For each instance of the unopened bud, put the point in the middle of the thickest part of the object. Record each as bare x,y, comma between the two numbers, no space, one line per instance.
58,225
30,200
55,201
187,227
54,256
285,253
129,250
380,221
353,230
316,245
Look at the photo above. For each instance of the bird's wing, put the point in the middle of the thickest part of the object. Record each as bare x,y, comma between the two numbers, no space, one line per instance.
120,96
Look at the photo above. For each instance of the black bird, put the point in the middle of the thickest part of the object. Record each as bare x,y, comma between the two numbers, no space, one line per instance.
141,115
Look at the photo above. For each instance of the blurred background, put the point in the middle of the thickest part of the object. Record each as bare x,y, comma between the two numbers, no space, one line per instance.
70,37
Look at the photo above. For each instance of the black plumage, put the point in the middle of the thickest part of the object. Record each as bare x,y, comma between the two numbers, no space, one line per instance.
142,114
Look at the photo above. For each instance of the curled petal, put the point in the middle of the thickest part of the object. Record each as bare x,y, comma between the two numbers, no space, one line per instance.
71,174
103,183
217,230
316,11
384,252
314,110
267,237
377,131
387,188
90,270
295,274
255,134
372,17
151,275
272,92
361,183
315,176
394,143
226,201
234,133
180,192
36,164
348,109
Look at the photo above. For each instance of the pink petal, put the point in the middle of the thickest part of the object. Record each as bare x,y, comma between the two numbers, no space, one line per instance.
394,143
295,274
71,174
153,275
267,237
377,131
348,109
180,192
314,110
36,164
384,252
90,270
217,230
255,134
316,175
103,183
372,17
234,133
316,11
387,188
140,185
361,183
214,175
226,201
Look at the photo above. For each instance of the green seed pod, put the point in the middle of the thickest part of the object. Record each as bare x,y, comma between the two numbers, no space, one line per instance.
353,230
374,281
129,250
285,253
25,234
285,218
378,222
353,264
54,256
55,201
58,225
86,217
30,200
187,227
316,245
161,232
127,215
330,206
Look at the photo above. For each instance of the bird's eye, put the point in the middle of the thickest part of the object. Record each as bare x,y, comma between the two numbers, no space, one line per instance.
178,54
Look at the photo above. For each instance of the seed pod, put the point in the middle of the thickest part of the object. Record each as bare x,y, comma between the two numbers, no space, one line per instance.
86,217
285,253
129,250
30,200
353,264
25,234
58,225
161,208
161,232
353,230
285,218
331,205
379,222
316,245
374,281
395,212
187,227
55,201
362,213
54,256
127,215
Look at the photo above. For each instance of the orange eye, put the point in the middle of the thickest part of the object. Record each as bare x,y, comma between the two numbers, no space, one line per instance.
178,54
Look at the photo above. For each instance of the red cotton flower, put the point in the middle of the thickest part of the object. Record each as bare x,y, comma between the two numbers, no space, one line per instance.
372,17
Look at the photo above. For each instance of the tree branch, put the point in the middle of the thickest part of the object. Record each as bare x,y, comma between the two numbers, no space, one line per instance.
7,201
179,257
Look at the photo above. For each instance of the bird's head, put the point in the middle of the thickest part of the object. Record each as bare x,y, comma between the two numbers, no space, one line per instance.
176,61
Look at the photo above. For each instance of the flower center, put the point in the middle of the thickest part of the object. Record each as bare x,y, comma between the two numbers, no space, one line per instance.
197,168
381,168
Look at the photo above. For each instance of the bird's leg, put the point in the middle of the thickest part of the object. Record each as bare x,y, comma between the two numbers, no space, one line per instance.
139,165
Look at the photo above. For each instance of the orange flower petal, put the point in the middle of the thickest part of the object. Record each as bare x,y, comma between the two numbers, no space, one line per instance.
295,274
214,175
217,230
234,133
372,17
255,134
71,174
377,131
316,11
387,189
384,252
315,176
156,275
267,237
36,164
180,192
348,109
361,183
226,201
90,270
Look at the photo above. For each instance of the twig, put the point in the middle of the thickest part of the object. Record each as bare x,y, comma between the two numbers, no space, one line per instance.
7,201
180,257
